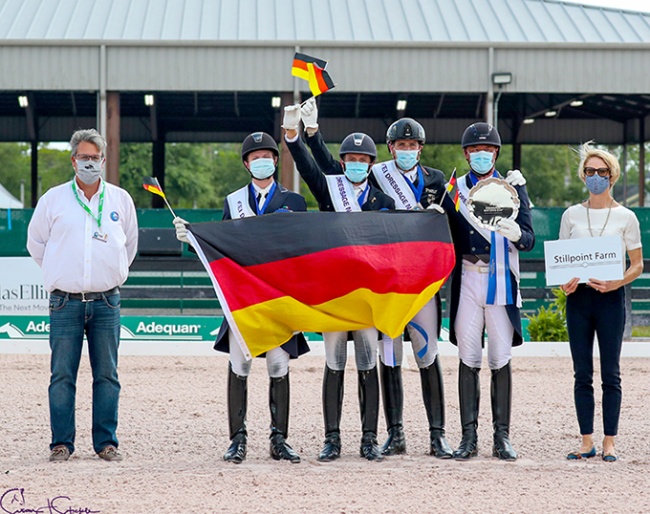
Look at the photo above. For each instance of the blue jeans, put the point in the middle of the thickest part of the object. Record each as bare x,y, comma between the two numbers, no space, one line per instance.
100,321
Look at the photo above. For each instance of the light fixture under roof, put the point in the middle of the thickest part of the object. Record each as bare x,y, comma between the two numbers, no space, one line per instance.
401,105
550,114
276,101
529,121
576,103
23,101
148,100
499,79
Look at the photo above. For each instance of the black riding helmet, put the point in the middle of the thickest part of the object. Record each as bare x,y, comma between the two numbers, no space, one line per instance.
481,134
258,141
358,142
405,128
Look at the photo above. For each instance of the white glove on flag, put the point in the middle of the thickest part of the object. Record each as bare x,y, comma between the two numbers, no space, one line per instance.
509,229
435,207
181,229
291,118
515,178
309,113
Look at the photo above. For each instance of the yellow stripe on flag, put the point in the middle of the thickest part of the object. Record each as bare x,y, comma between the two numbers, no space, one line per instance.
353,311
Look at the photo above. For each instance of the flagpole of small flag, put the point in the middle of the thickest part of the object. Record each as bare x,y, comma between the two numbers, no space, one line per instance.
449,187
152,185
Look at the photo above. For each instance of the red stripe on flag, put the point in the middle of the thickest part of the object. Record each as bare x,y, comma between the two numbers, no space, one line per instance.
405,268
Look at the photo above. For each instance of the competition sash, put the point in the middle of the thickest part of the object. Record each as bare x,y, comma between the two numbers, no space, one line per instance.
394,184
238,203
504,256
341,190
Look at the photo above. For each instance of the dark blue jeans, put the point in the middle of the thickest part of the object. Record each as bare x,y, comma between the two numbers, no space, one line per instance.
69,321
590,312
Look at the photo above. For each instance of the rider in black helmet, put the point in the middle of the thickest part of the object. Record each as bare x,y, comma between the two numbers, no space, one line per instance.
344,189
473,305
263,195
411,186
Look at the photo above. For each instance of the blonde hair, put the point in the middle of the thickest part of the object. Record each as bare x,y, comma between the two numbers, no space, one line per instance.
587,151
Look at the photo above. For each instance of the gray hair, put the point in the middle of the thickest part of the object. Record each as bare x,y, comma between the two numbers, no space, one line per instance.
87,136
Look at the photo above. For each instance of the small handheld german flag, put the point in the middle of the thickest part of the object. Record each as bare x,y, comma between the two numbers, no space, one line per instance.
452,190
152,185
313,71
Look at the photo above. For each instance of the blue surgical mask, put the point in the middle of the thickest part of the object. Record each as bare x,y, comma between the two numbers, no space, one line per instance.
597,184
481,162
89,171
356,172
406,159
262,168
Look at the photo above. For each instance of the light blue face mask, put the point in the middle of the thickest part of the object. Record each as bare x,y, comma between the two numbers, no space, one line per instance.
481,162
406,159
597,184
262,168
356,172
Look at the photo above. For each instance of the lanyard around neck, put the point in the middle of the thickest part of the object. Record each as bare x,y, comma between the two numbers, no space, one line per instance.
85,207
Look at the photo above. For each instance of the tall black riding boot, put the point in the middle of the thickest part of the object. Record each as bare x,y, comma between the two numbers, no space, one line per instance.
369,409
393,393
279,406
469,395
501,392
237,402
433,394
332,405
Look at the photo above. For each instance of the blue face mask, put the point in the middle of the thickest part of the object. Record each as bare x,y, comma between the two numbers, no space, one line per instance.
406,159
356,172
262,168
597,184
481,162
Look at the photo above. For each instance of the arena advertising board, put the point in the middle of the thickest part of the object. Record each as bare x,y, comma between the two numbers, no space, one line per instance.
21,287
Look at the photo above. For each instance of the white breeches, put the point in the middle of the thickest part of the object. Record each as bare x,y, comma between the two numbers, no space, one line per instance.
365,349
277,360
423,329
474,316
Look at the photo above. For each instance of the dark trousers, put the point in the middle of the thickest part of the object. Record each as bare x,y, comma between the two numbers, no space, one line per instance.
589,312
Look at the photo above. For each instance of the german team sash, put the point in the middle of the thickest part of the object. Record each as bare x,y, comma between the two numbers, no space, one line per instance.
393,183
238,203
344,198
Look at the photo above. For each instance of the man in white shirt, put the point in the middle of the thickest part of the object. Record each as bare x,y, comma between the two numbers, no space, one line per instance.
84,234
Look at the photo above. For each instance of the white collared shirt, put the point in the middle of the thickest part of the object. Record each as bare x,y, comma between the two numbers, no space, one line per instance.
76,255
259,191
360,188
412,175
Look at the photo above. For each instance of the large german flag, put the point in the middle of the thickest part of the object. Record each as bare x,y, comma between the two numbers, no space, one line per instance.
326,271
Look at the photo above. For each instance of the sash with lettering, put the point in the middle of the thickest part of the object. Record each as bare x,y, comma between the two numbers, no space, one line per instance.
394,184
504,256
341,190
238,203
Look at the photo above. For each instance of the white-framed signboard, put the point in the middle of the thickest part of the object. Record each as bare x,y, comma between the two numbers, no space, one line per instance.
602,258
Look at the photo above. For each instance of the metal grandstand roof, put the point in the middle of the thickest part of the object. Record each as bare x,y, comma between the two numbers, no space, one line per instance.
328,21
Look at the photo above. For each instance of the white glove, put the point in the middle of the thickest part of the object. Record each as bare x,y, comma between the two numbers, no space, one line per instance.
291,118
181,229
515,178
433,206
509,229
309,113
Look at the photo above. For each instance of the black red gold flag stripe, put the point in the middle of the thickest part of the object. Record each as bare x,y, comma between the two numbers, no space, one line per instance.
312,69
152,185
323,271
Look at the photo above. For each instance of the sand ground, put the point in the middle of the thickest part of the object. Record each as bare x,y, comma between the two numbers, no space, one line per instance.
173,431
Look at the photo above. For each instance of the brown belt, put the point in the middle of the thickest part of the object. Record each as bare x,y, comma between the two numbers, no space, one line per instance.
86,297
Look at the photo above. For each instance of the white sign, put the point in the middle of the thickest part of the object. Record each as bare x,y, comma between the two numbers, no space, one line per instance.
601,258
21,287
